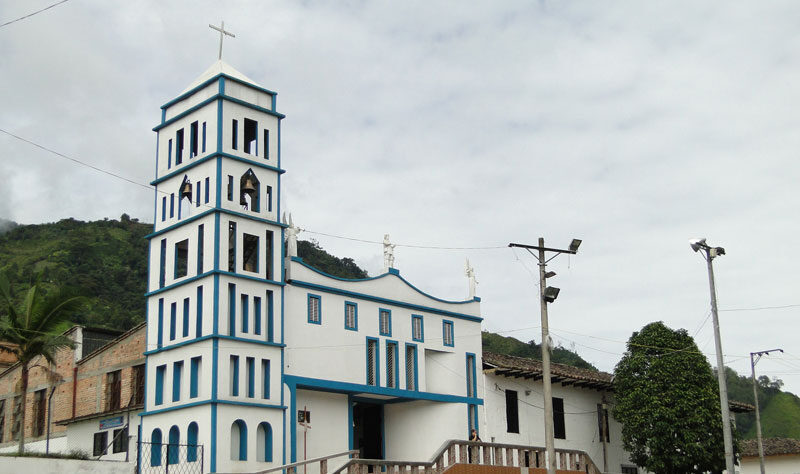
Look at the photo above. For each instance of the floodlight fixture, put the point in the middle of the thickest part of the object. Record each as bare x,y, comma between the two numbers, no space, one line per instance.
550,274
698,244
573,246
551,293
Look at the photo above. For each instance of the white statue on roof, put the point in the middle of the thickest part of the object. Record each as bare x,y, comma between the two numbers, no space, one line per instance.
473,281
291,236
388,253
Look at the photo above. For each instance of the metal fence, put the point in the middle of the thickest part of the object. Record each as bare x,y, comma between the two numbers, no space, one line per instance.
165,458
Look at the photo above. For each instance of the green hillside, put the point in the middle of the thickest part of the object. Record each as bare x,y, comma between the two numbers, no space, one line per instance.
780,418
511,346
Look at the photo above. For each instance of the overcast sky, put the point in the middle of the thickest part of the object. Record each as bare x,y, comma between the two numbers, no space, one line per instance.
632,126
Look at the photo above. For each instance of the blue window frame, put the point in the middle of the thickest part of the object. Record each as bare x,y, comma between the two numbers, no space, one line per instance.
163,209
351,316
234,376
412,381
264,378
162,273
185,317
250,362
192,432
161,372
177,374
373,362
269,198
245,313
256,315
197,194
173,320
208,187
203,147
235,134
230,188
385,322
472,383
179,147
231,309
155,448
194,377
448,338
160,322
193,139
239,431
171,205
200,244
266,455
392,365
266,144
314,309
417,328
198,327
172,447
169,154
270,323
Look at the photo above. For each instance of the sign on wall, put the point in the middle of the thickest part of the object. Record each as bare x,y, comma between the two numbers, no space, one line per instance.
110,423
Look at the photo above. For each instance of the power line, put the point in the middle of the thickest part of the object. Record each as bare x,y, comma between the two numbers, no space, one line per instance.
34,13
760,308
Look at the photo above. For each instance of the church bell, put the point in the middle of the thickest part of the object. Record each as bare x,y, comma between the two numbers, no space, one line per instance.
186,190
249,187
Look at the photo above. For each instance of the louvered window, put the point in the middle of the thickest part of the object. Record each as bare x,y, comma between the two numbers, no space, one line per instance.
470,375
350,316
447,333
416,328
372,359
385,321
391,359
314,309
411,368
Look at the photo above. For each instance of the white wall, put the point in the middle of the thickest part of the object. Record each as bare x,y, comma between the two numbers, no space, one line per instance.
81,436
329,431
415,430
789,464
60,466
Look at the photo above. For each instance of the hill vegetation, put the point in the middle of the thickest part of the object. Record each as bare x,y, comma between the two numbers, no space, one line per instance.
511,346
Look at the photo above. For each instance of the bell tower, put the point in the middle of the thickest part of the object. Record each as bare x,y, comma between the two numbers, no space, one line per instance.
216,280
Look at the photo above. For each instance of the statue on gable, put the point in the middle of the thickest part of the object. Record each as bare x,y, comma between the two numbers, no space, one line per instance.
473,281
291,236
388,253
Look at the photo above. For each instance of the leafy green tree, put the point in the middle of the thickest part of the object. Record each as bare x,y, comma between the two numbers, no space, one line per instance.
667,400
34,329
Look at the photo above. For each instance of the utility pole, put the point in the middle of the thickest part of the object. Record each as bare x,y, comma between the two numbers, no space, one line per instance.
709,254
753,363
547,295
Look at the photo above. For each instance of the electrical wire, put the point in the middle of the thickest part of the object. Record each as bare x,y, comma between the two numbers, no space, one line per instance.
34,13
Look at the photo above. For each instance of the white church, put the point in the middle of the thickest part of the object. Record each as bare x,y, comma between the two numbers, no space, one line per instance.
264,360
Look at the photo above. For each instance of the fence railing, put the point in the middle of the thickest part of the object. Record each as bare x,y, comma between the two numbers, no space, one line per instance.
165,458
322,460
476,452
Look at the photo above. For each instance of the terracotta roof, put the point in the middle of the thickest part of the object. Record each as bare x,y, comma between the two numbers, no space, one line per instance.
741,407
102,414
772,447
510,366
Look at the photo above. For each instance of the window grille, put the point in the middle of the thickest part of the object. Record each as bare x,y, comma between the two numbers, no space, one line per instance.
313,309
349,316
411,355
371,358
385,323
470,376
113,390
100,443
391,354
39,401
448,333
120,443
416,328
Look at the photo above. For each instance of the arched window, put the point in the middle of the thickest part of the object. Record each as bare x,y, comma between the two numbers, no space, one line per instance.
184,198
191,441
172,447
250,191
155,448
239,441
264,442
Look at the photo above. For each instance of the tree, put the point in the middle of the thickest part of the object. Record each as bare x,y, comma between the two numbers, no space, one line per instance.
667,400
35,328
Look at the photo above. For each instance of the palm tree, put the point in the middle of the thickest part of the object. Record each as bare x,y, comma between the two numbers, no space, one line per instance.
34,329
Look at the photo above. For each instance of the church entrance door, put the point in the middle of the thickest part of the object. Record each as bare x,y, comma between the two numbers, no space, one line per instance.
368,430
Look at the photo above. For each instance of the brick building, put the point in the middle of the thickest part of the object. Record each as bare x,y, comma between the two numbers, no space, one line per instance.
102,362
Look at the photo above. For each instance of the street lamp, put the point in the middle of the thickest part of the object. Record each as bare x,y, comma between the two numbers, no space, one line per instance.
547,294
753,363
709,254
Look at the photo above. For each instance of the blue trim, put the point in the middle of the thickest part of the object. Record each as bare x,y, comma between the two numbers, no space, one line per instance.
257,315
318,299
445,325
245,299
214,368
195,217
266,371
415,366
209,273
250,365
177,375
198,328
299,260
270,317
292,417
209,211
232,309
352,294
196,162
252,106
185,328
349,421
189,111
214,337
474,388
235,376
200,242
213,456
352,388
161,372
421,328
221,77
389,318
194,376
377,362
390,343
160,323
173,316
355,315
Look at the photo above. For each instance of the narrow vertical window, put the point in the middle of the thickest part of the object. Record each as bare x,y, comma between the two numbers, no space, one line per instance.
269,198
264,378
391,364
512,412
269,256
198,327
373,377
231,246
350,316
314,306
257,315
194,377
181,259
179,147
602,422
234,376
411,367
203,147
197,195
177,373
160,322
245,313
471,382
231,309
185,328
230,188
172,447
235,135
161,372
264,442
155,448
447,333
208,187
250,362
171,205
250,253
270,323
193,131
250,137
173,320
200,249
266,144
162,272
385,322
163,209
191,433
559,428
416,328
169,154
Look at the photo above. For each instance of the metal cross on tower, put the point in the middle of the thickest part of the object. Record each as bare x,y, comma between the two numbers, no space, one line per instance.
222,34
